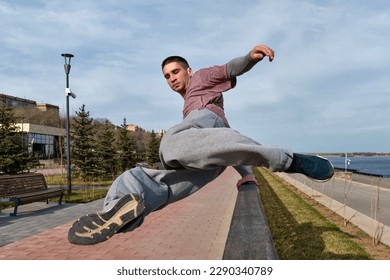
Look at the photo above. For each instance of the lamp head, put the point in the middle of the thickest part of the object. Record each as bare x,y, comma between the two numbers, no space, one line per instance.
67,57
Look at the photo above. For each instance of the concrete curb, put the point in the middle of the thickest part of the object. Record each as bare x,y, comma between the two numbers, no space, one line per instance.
249,236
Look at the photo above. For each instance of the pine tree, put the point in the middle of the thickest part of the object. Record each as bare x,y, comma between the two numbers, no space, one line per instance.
13,157
126,145
106,152
152,150
83,145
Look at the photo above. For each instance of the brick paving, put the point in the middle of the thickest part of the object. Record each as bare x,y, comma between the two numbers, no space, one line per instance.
193,228
37,217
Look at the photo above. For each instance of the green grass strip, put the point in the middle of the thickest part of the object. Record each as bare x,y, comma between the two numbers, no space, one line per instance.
299,231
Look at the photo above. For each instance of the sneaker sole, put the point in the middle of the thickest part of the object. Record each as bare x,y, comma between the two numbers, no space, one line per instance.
99,227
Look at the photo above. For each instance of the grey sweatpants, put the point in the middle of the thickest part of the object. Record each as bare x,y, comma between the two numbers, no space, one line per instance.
194,153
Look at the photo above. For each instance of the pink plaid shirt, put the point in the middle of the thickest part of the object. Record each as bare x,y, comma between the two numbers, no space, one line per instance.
205,90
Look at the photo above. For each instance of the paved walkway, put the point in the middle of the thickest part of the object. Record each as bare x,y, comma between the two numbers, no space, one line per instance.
193,228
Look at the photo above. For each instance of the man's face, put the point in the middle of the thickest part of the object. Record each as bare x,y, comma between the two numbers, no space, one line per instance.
177,77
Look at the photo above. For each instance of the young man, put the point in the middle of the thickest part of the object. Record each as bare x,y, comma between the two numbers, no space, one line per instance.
193,152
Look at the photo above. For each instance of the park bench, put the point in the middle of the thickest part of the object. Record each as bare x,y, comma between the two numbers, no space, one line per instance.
25,188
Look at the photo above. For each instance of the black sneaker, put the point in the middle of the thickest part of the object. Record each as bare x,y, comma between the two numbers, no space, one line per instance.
98,227
314,167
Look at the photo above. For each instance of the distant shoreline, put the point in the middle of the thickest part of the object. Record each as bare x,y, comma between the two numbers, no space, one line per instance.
354,154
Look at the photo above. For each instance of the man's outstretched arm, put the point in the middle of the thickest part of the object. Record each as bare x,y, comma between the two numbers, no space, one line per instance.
241,65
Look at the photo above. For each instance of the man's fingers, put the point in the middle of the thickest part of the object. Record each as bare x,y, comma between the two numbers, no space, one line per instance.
267,52
260,51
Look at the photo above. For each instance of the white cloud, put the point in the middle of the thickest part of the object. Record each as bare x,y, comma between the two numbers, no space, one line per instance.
327,88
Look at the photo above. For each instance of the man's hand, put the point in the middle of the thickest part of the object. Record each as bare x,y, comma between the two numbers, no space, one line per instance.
261,51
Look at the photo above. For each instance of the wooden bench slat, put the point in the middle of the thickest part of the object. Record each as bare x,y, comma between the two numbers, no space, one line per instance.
25,188
39,193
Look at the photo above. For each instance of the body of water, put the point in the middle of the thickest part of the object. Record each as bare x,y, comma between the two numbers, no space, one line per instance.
375,165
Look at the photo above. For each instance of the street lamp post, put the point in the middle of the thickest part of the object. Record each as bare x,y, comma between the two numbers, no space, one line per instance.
68,93
347,162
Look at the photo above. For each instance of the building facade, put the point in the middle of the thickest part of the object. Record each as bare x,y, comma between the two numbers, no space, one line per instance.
41,140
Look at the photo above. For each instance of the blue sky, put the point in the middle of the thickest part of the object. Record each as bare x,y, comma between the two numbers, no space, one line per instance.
328,89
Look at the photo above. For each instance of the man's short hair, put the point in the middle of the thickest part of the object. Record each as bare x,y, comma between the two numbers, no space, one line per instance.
175,58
